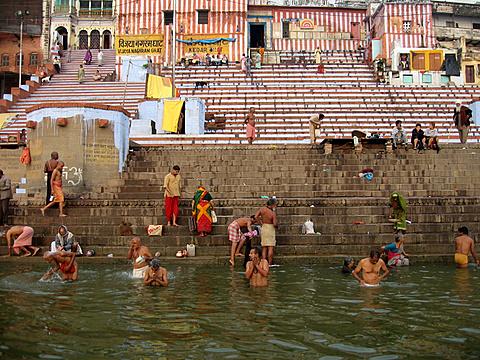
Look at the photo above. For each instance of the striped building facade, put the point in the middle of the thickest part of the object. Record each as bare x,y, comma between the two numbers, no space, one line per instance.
225,18
333,28
410,25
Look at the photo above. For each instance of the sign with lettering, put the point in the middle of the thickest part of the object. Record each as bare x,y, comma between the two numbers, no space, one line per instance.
140,44
221,47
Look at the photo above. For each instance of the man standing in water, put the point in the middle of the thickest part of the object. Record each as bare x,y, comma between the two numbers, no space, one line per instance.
257,269
156,275
268,218
463,245
65,261
141,256
370,268
50,165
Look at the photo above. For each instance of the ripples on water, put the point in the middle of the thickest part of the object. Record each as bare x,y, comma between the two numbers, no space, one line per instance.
209,312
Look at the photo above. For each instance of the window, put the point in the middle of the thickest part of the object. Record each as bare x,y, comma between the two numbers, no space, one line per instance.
17,59
407,26
107,5
5,60
286,29
418,61
450,24
202,17
84,4
33,59
168,17
96,5
476,26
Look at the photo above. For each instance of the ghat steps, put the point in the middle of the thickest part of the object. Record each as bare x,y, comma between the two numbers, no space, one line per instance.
285,96
442,190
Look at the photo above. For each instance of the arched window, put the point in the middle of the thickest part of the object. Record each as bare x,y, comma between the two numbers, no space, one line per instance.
5,60
95,39
83,39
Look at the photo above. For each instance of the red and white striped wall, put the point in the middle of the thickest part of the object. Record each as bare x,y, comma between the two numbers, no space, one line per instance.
334,20
226,17
389,25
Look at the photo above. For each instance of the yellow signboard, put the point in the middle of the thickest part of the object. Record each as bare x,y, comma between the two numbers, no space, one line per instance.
221,47
140,44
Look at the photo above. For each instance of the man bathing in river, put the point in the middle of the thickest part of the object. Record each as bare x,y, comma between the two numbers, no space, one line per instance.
65,261
141,256
236,237
257,269
370,268
463,245
268,218
155,275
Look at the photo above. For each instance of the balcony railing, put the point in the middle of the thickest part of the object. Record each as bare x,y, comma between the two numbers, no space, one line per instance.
64,10
456,33
96,13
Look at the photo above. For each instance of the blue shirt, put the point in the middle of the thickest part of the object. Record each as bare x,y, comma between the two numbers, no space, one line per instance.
392,247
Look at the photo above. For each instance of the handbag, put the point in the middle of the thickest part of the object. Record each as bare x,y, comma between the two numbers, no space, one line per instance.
214,217
192,224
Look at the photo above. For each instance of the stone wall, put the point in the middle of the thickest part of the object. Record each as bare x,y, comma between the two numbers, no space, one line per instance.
88,151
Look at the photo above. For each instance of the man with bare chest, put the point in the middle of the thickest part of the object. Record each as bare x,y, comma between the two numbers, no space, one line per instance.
268,218
141,257
370,268
463,246
257,269
251,130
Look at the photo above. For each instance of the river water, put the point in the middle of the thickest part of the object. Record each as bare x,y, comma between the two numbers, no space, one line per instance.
210,312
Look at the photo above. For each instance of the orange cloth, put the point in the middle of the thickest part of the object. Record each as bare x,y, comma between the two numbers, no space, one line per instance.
26,159
57,191
251,131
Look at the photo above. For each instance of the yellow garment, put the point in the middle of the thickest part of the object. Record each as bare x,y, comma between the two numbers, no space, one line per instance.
268,235
171,114
158,87
5,118
461,259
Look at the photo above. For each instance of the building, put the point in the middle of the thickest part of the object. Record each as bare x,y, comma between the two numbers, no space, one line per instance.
457,26
404,24
80,24
304,25
10,41
196,20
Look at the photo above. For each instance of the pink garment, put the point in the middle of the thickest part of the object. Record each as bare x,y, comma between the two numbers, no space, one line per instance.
24,239
251,131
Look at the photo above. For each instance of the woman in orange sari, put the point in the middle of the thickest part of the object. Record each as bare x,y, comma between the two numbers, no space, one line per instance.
202,207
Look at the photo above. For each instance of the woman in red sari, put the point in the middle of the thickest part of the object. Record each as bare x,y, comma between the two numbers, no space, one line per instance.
202,207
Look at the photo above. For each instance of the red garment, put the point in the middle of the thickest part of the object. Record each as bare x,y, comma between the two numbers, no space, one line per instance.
63,267
26,159
171,207
321,69
204,217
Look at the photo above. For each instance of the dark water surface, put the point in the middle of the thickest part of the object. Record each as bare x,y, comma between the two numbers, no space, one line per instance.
209,312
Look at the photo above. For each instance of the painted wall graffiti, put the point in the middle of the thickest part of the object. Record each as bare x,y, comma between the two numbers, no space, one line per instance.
73,175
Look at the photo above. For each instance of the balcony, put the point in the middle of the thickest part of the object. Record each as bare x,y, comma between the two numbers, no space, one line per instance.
64,10
96,13
451,33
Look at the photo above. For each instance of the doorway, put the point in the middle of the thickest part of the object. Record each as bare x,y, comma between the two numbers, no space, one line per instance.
107,35
62,36
95,39
83,40
257,35
469,74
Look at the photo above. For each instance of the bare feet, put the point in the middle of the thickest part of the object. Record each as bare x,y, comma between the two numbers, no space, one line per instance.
27,254
231,262
174,224
62,215
43,211
36,251
168,224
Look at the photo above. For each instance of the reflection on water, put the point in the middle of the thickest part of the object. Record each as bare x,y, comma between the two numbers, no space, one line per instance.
208,312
